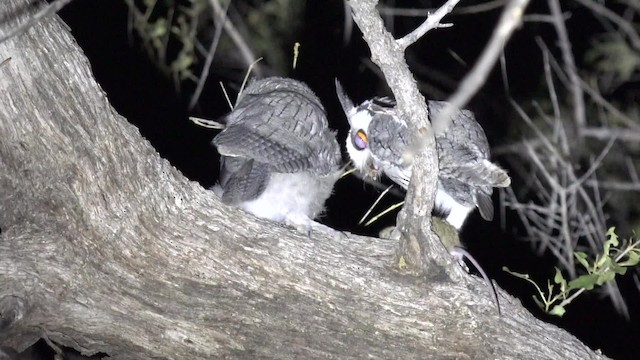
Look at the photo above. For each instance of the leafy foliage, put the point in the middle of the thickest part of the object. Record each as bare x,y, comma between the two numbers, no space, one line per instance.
614,260
167,30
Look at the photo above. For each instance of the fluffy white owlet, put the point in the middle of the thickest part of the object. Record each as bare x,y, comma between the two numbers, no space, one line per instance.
379,141
279,159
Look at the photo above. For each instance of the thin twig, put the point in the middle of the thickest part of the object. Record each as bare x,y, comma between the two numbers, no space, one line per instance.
623,25
221,18
460,10
593,94
553,96
510,19
386,211
604,133
564,43
594,164
347,29
614,185
382,194
241,44
50,9
432,22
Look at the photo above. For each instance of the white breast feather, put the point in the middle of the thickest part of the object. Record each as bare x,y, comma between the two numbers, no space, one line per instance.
290,196
457,212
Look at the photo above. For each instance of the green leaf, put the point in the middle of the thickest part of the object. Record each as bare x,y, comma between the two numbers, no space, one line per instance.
559,279
557,310
182,62
158,29
587,282
612,241
633,258
582,259
603,262
604,277
616,268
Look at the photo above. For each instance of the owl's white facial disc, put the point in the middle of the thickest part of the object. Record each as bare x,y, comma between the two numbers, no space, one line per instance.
358,143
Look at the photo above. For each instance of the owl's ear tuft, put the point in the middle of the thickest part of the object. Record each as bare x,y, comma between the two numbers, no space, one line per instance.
347,104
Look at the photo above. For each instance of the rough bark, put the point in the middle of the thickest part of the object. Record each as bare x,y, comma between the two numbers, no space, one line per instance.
105,247
420,248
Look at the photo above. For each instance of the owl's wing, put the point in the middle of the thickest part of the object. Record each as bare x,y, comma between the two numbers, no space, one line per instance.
388,139
468,195
463,151
485,205
463,129
242,179
281,123
468,165
279,149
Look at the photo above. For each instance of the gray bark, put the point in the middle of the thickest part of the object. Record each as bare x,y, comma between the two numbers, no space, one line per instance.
105,247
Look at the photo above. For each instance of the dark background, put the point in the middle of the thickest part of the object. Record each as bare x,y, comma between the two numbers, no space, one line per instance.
139,92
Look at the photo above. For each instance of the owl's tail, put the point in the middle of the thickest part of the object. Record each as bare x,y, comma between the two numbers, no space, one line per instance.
483,173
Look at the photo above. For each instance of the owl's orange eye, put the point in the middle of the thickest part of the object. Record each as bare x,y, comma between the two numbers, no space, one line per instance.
360,140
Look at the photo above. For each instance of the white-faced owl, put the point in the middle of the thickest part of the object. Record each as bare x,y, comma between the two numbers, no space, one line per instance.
379,141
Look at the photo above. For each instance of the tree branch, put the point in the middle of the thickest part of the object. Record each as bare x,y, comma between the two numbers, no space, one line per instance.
432,22
48,10
107,248
419,247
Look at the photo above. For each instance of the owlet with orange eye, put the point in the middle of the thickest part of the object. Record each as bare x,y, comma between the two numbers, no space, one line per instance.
380,142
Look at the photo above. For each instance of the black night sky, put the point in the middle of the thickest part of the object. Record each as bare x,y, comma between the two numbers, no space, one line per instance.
148,100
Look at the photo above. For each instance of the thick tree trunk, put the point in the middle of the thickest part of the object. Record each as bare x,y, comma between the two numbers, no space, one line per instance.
105,247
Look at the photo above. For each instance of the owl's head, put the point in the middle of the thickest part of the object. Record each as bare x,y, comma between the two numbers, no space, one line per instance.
357,141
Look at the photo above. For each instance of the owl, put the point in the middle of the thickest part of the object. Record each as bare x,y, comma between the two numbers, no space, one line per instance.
380,142
279,159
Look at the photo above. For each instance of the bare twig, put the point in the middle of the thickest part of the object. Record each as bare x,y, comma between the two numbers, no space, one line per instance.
432,22
593,94
48,10
510,19
382,194
624,25
614,185
460,10
221,18
579,110
347,29
241,44
605,133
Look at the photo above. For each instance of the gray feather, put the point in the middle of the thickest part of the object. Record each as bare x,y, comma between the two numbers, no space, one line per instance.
485,206
242,179
279,159
466,176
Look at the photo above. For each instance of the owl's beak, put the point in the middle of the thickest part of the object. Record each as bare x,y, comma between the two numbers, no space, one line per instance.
374,170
